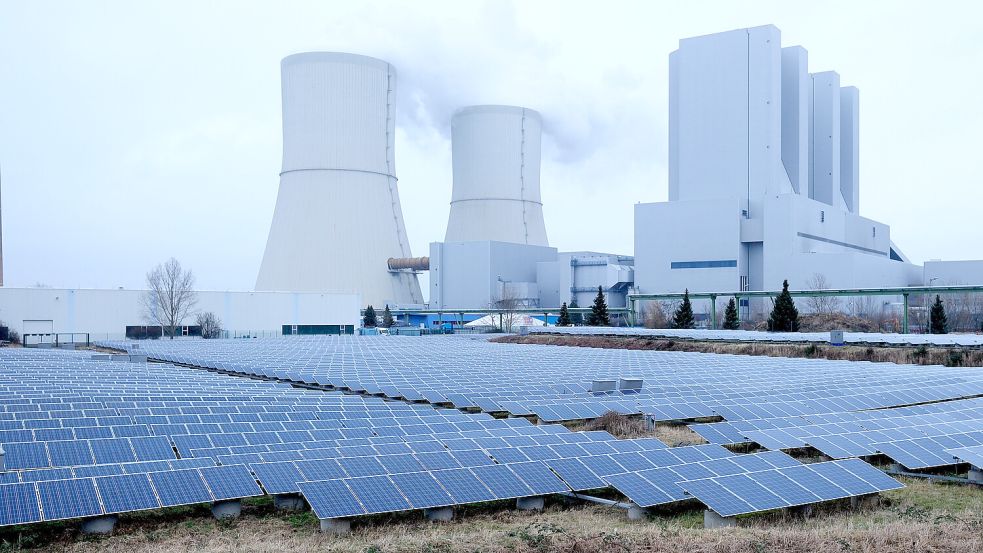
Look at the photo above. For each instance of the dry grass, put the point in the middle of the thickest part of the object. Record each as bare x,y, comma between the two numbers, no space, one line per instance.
950,357
923,517
624,427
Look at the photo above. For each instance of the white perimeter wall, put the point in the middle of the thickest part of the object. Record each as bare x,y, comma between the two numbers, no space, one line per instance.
942,273
107,313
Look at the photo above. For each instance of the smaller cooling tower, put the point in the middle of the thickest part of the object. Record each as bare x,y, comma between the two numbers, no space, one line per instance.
496,158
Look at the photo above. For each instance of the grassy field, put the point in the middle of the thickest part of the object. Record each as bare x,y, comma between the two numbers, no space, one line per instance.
950,357
922,517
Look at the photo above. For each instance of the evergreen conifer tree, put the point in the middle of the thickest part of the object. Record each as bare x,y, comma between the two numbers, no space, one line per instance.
576,319
784,315
387,317
564,319
599,311
369,319
683,317
938,322
732,321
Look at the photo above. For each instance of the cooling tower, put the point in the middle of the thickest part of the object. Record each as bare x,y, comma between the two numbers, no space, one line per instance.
496,176
338,219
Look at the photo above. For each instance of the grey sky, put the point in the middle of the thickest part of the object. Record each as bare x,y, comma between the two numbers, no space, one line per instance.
135,131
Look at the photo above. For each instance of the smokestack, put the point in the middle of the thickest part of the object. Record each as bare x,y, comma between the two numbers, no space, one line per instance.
496,157
338,219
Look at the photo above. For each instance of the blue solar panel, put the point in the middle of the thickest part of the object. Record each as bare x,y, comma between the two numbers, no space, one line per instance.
422,490
278,478
638,489
404,462
320,469
472,458
19,504
361,466
70,453
331,499
576,474
152,448
378,494
26,455
752,493
97,470
463,486
126,493
540,479
180,487
502,481
62,499
437,460
230,482
112,450
716,497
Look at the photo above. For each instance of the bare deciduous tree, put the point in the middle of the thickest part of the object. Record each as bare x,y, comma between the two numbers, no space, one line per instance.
824,305
508,303
211,325
170,295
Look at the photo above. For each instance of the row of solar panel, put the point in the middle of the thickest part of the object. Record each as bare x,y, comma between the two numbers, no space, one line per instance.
64,473
67,453
87,497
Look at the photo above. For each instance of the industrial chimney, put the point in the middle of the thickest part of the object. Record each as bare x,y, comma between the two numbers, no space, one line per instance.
496,157
338,219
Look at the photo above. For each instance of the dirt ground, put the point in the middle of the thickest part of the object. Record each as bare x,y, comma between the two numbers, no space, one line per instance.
950,357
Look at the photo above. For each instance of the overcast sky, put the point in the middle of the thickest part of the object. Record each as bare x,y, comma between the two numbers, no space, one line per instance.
134,131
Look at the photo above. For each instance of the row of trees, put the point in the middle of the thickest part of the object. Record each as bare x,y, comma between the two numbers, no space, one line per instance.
784,315
598,313
371,320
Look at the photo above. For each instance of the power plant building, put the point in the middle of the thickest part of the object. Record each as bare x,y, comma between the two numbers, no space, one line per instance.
338,217
763,177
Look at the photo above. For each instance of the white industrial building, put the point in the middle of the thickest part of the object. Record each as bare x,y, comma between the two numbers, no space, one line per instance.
338,218
763,177
105,314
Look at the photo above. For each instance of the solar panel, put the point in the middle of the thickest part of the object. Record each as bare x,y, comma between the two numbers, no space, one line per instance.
463,486
152,448
180,487
126,493
378,494
502,482
230,482
422,490
331,499
70,453
576,474
278,478
642,492
19,504
62,499
540,479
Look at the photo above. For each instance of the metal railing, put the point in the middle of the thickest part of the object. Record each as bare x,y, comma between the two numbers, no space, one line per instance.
56,339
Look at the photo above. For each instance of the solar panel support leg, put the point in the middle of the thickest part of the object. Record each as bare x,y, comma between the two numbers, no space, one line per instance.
863,501
441,514
226,509
712,521
637,513
336,526
99,525
289,502
802,511
975,474
530,503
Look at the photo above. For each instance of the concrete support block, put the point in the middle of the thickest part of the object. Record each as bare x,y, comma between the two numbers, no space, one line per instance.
99,525
530,503
712,521
99,357
863,501
137,358
637,513
289,502
336,526
440,514
227,509
120,357
975,474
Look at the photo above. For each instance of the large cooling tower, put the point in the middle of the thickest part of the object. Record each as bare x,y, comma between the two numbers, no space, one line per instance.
338,219
496,176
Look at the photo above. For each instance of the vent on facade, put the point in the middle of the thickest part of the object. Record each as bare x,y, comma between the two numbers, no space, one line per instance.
874,233
744,283
822,216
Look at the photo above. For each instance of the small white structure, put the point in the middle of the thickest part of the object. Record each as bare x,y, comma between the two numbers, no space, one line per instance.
338,218
496,158
105,314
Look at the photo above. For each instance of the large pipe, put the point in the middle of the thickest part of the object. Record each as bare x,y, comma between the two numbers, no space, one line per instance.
411,263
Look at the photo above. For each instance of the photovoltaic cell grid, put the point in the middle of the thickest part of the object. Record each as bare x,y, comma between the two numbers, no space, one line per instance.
554,382
120,410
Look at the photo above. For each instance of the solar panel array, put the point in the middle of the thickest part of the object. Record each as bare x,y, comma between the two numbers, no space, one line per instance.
855,338
86,437
554,383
